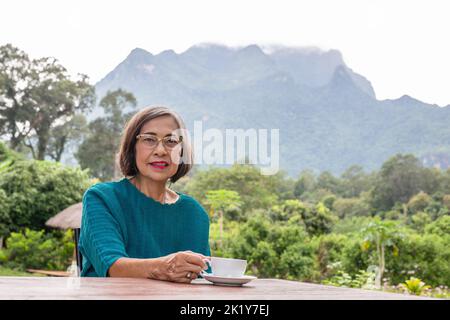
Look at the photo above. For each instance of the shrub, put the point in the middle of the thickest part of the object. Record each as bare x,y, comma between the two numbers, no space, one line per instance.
348,207
318,219
263,260
297,262
363,279
39,190
274,249
286,210
351,224
420,220
329,250
441,226
8,154
255,190
353,257
419,202
415,286
446,200
37,250
426,256
329,200
5,219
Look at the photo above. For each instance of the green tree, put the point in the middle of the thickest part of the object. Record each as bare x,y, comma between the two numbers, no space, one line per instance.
431,180
15,96
446,201
7,159
329,201
318,219
382,234
250,233
349,207
5,219
274,249
39,190
62,135
35,96
114,104
445,182
98,151
315,196
440,226
219,201
306,182
263,259
398,180
286,210
256,190
420,220
39,250
7,154
354,181
436,207
329,248
327,181
350,225
423,255
296,262
419,202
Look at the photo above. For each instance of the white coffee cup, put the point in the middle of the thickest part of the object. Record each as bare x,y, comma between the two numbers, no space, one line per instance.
227,267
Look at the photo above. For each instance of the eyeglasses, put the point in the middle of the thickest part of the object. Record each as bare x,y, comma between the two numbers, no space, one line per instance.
151,141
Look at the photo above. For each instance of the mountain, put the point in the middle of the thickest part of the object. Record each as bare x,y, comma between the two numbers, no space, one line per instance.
328,115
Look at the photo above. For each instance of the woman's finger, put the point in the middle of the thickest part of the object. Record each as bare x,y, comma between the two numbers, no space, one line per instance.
189,268
197,260
198,254
185,277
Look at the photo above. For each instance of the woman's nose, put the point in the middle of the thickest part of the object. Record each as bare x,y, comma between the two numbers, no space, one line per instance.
160,149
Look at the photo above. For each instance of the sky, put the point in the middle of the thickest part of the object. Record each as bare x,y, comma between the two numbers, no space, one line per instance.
400,46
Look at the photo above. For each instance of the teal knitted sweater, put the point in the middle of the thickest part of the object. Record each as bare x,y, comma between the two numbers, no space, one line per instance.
120,221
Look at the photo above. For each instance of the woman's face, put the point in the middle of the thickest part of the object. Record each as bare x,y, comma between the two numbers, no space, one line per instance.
159,162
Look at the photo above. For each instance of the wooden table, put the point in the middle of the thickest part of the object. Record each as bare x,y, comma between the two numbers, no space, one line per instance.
50,272
59,288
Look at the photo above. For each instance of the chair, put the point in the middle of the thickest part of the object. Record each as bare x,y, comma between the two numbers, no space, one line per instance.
79,257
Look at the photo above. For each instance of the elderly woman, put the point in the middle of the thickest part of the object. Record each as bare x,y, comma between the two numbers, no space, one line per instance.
138,227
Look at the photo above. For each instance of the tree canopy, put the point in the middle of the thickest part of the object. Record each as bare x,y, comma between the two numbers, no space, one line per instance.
37,95
98,150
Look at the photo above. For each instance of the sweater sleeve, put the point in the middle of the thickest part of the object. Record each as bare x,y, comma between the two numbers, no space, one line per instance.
101,239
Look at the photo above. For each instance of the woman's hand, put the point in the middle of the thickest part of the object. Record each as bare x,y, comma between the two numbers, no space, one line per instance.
183,267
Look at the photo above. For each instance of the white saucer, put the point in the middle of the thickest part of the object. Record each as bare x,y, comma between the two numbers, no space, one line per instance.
227,281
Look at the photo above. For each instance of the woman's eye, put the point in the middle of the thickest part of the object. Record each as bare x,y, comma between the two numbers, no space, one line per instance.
172,142
150,139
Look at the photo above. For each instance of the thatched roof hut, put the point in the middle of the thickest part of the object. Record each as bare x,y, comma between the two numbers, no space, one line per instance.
69,218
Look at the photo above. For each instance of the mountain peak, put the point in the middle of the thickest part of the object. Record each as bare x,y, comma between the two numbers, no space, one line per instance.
206,46
138,53
332,54
167,54
343,81
407,99
341,77
253,48
254,56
